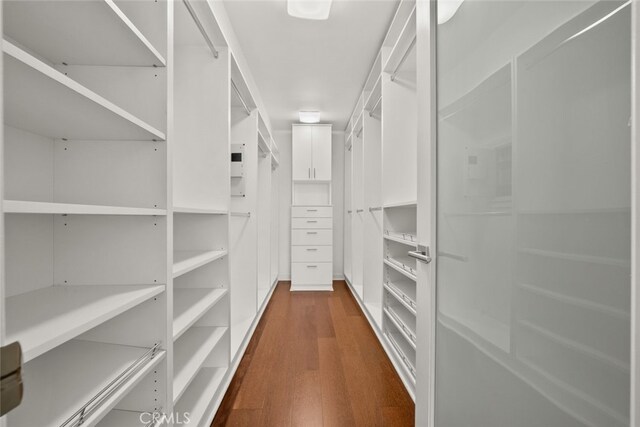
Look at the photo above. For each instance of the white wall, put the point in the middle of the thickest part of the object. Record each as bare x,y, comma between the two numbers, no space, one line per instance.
283,139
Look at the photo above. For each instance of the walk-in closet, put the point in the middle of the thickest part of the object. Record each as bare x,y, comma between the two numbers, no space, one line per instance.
319,213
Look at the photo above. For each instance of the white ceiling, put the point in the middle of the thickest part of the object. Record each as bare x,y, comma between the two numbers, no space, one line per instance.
301,64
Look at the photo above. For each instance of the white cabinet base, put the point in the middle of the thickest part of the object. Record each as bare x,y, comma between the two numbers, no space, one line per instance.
312,288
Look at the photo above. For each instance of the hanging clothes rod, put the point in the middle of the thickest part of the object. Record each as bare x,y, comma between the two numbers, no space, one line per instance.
375,106
80,415
201,28
404,58
246,214
237,91
360,132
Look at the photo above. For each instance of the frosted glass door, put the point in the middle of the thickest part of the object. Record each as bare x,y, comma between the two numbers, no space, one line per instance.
533,243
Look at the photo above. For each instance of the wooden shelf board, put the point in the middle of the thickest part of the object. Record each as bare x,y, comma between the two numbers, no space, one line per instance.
199,395
188,210
82,369
79,33
45,318
190,352
190,304
186,261
25,206
42,100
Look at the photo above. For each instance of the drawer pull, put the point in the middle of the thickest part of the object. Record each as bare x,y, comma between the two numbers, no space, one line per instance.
312,266
312,249
312,232
311,222
312,210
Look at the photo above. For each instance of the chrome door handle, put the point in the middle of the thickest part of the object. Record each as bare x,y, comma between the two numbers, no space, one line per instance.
422,254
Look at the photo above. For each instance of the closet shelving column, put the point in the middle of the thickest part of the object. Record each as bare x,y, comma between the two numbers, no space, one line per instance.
399,190
85,236
245,140
200,213
263,209
275,211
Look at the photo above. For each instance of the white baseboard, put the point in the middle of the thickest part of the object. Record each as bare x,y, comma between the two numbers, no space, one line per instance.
312,288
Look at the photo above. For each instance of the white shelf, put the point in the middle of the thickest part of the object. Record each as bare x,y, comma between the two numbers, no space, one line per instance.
374,96
196,400
46,318
23,206
403,43
395,265
263,145
406,319
187,210
186,261
190,304
121,418
404,291
42,100
190,352
402,331
400,354
62,382
404,238
79,33
408,203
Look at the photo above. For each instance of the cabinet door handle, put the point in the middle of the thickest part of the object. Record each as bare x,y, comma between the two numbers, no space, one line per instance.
422,254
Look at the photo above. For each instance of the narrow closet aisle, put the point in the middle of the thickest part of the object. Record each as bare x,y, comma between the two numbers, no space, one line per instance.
315,361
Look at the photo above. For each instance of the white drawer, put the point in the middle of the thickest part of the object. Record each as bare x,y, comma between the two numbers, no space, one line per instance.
311,253
311,223
311,237
305,273
311,212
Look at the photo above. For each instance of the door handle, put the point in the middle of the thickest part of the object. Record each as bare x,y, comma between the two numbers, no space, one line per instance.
422,254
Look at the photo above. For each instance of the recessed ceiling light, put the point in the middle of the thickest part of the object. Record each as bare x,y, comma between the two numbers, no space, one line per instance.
309,116
309,9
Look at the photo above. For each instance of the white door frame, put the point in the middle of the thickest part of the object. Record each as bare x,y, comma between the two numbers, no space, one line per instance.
635,212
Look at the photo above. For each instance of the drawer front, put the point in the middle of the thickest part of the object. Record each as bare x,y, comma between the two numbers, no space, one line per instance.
312,254
311,212
326,223
305,273
311,237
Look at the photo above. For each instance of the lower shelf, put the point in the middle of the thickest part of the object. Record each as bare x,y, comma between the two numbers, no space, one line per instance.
198,397
189,304
401,353
191,351
83,369
120,418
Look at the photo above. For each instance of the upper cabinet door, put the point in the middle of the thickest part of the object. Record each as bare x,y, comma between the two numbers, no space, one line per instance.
321,137
302,167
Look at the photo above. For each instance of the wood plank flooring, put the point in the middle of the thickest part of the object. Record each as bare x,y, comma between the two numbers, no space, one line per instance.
315,361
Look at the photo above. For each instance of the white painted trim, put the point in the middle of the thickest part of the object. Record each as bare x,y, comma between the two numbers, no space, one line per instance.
635,211
307,288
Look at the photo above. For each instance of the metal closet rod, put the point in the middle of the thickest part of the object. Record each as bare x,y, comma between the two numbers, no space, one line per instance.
237,91
247,214
404,58
201,28
360,132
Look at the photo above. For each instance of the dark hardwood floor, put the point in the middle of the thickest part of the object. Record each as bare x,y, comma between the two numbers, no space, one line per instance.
315,361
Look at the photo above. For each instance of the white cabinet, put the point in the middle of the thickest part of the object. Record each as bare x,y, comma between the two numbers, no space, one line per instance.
311,153
302,153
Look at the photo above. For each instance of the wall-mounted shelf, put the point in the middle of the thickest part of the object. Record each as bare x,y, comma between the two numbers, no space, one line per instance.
83,369
80,33
404,291
186,261
404,42
196,401
44,101
191,351
204,211
408,239
263,145
190,304
402,329
402,265
401,204
46,318
22,206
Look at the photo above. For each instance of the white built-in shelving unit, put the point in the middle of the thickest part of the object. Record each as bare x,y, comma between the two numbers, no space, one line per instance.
380,196
125,252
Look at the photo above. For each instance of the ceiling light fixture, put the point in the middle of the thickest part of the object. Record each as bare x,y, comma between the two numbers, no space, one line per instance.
446,9
309,9
309,116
